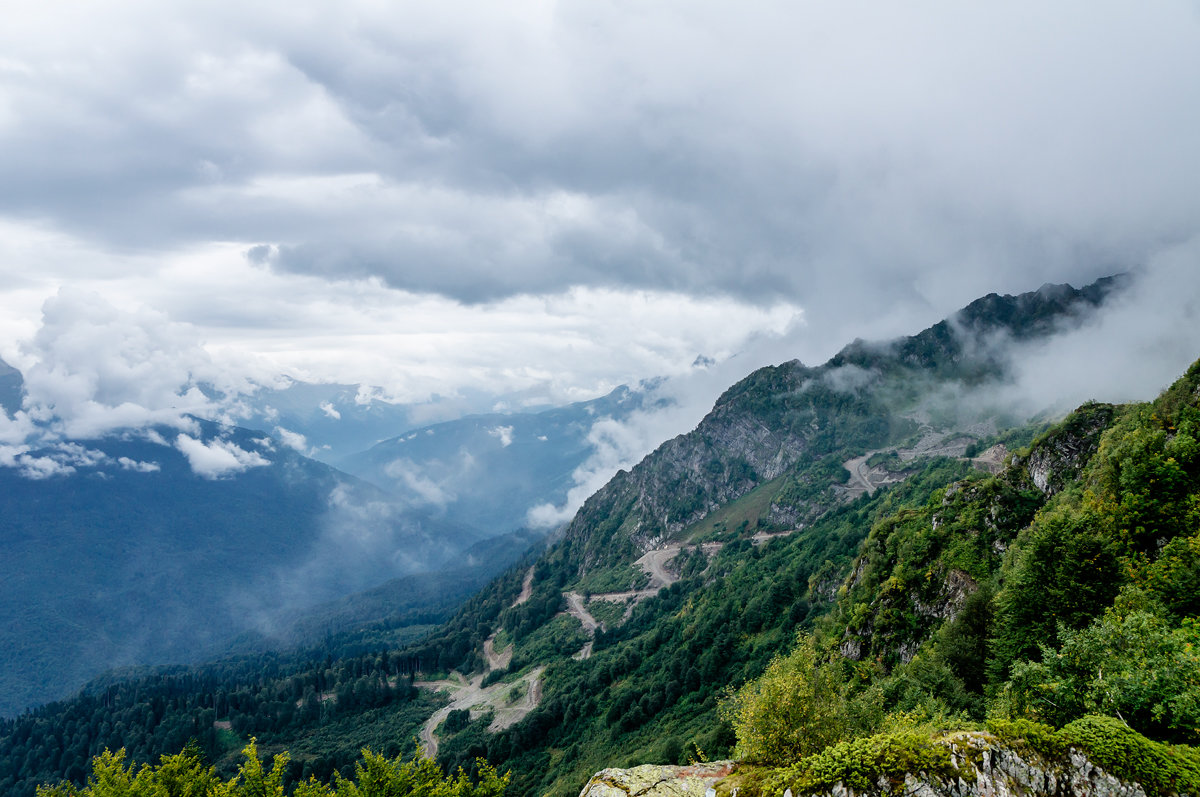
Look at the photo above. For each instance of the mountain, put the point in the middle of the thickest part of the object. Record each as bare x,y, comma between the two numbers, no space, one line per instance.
12,386
488,471
126,551
868,542
788,430
335,420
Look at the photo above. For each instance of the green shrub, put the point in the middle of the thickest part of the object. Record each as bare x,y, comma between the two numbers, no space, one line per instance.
795,708
860,763
1111,744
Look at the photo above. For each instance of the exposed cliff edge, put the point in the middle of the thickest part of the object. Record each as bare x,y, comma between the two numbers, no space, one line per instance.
974,765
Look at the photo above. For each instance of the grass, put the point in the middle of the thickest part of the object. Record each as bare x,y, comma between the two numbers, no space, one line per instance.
740,517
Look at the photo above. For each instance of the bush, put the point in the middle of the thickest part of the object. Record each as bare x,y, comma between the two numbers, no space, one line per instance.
1161,769
796,708
860,763
186,774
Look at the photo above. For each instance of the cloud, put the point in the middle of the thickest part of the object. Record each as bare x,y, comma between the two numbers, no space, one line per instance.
43,467
1142,341
293,440
545,201
330,411
138,466
502,433
92,368
672,407
909,155
217,458
420,486
61,459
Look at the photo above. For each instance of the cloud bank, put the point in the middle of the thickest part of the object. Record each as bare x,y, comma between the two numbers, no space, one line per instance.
542,201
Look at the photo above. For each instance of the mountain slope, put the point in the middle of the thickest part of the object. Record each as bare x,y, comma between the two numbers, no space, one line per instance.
802,423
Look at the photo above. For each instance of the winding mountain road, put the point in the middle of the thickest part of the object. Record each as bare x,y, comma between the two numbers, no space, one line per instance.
472,695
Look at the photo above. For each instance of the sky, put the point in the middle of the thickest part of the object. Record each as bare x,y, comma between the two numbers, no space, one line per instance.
551,199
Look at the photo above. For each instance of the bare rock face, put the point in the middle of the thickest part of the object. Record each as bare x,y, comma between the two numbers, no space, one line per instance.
651,780
1059,458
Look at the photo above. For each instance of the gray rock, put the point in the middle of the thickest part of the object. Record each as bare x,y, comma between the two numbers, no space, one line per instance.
984,767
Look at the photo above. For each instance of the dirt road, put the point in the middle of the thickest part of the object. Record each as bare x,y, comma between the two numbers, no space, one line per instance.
859,477
496,661
654,564
576,609
526,588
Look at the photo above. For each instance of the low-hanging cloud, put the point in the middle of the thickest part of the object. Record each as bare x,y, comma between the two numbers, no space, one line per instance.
502,433
1142,338
670,407
218,458
431,485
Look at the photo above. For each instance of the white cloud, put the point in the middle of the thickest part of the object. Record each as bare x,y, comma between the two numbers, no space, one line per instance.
138,466
293,440
330,410
423,488
92,368
549,200
43,467
217,458
502,433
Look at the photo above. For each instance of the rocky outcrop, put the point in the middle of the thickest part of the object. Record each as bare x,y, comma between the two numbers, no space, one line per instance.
1059,458
981,766
650,780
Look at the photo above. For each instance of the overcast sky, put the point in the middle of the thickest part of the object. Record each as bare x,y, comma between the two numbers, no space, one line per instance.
556,198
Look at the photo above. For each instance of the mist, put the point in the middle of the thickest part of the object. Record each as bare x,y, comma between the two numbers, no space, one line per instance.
1131,348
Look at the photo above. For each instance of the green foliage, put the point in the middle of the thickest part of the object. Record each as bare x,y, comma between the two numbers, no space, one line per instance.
860,763
1161,769
559,638
795,708
186,775
617,578
1042,739
610,613
1130,663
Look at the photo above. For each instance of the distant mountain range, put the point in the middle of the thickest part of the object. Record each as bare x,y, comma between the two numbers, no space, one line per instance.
487,471
168,545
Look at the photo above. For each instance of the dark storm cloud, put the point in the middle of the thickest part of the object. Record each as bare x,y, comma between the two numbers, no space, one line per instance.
846,156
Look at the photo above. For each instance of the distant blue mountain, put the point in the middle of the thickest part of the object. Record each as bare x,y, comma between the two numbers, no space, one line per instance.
487,471
164,546
133,558
12,387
